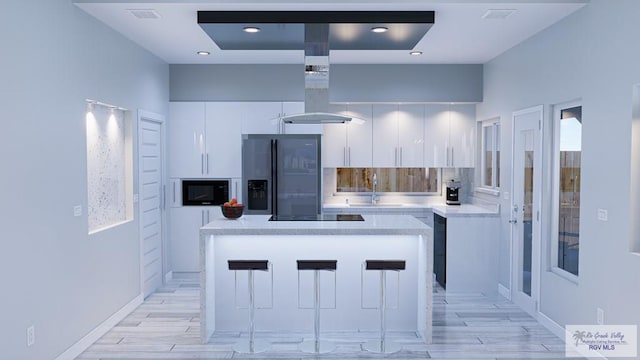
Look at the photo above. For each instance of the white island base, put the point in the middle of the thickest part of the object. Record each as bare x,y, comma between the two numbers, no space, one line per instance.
350,296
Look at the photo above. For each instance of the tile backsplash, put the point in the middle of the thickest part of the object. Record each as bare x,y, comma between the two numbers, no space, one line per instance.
331,195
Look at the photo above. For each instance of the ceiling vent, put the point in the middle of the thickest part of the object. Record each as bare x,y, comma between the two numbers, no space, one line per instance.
498,14
145,13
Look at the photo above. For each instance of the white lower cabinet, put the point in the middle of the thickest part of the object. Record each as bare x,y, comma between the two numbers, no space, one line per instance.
184,235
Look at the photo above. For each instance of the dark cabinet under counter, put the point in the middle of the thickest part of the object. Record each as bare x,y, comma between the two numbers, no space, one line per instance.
440,249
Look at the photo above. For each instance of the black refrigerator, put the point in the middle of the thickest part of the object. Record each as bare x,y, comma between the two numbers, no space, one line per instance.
281,174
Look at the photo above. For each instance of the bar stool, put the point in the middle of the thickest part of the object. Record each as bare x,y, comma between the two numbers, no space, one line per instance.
381,345
316,346
252,346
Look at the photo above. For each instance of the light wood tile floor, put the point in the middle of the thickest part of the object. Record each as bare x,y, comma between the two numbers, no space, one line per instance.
167,325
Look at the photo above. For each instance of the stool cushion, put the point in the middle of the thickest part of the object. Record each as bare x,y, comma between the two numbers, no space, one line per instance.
317,264
262,265
386,265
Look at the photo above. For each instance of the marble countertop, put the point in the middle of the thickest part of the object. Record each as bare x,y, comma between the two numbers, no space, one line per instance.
372,225
464,210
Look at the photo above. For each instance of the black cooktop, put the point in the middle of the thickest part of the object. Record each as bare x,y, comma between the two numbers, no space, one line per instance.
323,217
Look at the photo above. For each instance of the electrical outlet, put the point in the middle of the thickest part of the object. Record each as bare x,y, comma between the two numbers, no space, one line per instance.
603,215
31,335
600,316
77,210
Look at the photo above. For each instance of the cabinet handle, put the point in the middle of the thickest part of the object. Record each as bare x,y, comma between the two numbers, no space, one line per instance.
344,156
349,155
400,155
452,161
174,192
202,218
206,161
514,221
395,156
202,163
236,189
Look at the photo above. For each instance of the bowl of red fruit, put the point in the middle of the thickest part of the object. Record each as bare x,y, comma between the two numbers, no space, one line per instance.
232,209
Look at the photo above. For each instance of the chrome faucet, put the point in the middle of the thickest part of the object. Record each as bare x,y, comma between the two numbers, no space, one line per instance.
374,200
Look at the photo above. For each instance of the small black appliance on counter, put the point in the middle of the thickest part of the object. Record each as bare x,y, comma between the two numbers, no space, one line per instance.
453,192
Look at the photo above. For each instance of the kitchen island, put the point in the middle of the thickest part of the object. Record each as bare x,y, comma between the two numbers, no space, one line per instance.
284,296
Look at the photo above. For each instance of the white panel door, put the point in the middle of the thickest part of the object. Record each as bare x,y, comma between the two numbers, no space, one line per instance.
261,117
436,136
385,136
411,136
462,135
186,139
223,155
151,204
359,136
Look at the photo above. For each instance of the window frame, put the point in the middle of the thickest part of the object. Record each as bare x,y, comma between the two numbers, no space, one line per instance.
493,123
555,193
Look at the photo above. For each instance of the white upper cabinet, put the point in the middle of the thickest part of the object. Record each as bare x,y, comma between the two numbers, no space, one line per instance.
223,139
385,136
411,135
261,117
348,145
463,135
398,135
359,135
449,135
186,139
436,136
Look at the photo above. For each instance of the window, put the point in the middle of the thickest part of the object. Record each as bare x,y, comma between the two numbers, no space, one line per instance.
567,129
490,154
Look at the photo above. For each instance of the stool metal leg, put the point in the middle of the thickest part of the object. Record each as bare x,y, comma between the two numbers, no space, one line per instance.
381,346
316,346
253,346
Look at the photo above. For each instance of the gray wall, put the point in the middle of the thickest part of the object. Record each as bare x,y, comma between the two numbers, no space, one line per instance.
55,276
347,83
589,56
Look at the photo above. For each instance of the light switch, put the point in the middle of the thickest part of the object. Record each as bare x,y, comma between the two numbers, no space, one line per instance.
603,215
77,210
135,198
505,195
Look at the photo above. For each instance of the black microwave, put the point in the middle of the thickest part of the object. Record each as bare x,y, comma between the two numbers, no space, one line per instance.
205,192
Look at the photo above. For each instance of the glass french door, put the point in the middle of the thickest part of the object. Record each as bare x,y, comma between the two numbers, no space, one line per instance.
525,209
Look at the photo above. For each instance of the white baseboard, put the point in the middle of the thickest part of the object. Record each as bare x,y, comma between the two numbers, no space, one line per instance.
168,276
560,332
551,325
502,290
95,334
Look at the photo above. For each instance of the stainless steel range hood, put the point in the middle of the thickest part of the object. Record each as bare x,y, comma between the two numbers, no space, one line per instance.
316,80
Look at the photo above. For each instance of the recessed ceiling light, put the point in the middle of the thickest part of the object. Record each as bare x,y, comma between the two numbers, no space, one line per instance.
203,53
251,29
379,29
415,53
